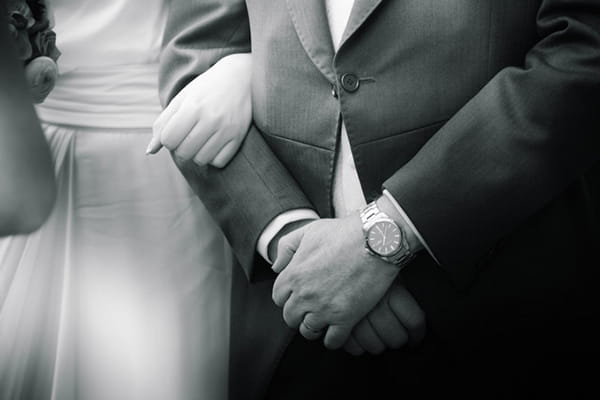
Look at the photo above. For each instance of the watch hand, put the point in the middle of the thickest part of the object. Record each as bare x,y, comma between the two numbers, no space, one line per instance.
385,231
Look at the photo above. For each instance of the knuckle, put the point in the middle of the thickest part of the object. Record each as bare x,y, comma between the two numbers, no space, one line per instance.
304,294
211,113
340,308
189,105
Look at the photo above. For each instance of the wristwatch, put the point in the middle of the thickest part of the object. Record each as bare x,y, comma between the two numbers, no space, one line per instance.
384,238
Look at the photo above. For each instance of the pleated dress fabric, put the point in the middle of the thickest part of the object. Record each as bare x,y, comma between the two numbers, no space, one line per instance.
124,292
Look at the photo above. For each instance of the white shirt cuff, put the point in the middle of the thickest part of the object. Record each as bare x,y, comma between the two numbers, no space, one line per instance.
409,223
277,224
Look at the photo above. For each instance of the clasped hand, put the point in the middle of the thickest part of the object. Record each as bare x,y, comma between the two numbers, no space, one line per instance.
329,284
208,119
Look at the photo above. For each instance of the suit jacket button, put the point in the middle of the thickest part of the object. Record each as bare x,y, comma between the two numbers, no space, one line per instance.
350,82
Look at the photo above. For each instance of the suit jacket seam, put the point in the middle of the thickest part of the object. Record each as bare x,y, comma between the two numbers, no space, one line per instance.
413,130
296,141
408,132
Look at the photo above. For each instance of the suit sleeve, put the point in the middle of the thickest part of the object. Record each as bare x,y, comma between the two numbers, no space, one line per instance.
197,35
517,144
254,187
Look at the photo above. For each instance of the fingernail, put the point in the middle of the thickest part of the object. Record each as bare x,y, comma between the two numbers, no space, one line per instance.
153,147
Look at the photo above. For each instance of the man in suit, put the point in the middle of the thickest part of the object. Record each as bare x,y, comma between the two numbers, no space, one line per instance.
462,133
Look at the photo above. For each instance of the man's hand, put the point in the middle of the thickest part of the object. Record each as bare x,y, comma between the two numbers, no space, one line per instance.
273,246
208,120
327,279
396,321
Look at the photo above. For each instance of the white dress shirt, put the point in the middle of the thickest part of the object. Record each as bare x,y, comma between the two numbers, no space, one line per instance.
348,196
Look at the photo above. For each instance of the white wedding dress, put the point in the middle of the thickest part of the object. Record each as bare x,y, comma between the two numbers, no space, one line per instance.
124,292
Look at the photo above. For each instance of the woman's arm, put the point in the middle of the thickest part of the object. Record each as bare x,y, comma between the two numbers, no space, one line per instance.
27,185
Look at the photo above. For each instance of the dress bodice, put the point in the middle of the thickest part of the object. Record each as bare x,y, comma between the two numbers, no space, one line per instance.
108,70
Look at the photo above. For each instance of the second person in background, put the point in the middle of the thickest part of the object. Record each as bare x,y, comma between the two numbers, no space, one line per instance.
124,292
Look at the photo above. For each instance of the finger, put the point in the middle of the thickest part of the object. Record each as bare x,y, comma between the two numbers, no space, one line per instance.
171,108
160,122
226,154
192,143
353,347
293,312
408,312
166,115
281,291
310,333
311,328
365,336
336,336
209,150
387,326
154,146
179,126
286,249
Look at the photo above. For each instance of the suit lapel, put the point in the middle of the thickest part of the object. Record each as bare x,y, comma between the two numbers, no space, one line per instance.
310,21
360,12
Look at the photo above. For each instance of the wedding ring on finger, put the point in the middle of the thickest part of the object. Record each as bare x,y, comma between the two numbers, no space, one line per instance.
309,332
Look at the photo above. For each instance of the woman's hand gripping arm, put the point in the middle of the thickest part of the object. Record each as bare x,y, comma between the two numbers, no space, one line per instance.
208,120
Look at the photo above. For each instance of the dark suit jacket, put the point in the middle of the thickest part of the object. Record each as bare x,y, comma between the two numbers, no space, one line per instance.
480,117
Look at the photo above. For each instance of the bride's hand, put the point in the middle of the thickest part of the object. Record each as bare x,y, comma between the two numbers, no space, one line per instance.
208,120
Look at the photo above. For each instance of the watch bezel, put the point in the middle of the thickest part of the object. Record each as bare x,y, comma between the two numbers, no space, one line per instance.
391,222
403,255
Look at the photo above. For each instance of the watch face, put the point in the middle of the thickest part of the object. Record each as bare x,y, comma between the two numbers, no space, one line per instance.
384,238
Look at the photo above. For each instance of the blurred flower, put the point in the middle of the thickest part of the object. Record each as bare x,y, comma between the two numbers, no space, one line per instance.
30,23
41,74
44,44
20,13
